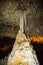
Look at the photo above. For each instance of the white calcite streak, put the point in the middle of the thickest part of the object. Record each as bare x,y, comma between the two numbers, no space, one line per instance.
22,23
22,52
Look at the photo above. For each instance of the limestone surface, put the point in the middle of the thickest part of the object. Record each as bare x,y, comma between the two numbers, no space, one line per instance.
22,52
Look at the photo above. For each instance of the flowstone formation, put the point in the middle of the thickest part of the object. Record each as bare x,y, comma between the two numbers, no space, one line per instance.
22,52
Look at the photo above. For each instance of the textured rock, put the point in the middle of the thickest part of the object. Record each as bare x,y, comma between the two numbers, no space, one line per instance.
11,10
3,61
22,52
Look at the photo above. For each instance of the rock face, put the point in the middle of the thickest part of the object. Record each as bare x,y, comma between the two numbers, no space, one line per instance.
11,11
22,52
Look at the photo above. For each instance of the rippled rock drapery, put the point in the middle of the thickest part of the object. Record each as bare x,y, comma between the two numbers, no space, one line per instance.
22,52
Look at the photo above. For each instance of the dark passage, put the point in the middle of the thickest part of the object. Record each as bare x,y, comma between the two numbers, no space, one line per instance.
6,45
39,51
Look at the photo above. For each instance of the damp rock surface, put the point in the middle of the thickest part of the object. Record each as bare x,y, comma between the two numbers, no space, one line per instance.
22,52
4,61
11,11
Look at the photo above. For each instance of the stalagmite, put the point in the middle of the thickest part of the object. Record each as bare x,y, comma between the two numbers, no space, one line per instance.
22,52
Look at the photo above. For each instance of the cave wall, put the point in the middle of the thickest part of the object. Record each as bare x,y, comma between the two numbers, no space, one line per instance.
11,11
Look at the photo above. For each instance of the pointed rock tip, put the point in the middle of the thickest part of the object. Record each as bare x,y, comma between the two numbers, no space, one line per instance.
20,36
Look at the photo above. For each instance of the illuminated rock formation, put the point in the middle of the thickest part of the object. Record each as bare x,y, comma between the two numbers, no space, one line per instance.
22,52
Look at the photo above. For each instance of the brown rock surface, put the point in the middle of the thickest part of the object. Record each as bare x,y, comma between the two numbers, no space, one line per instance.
10,13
